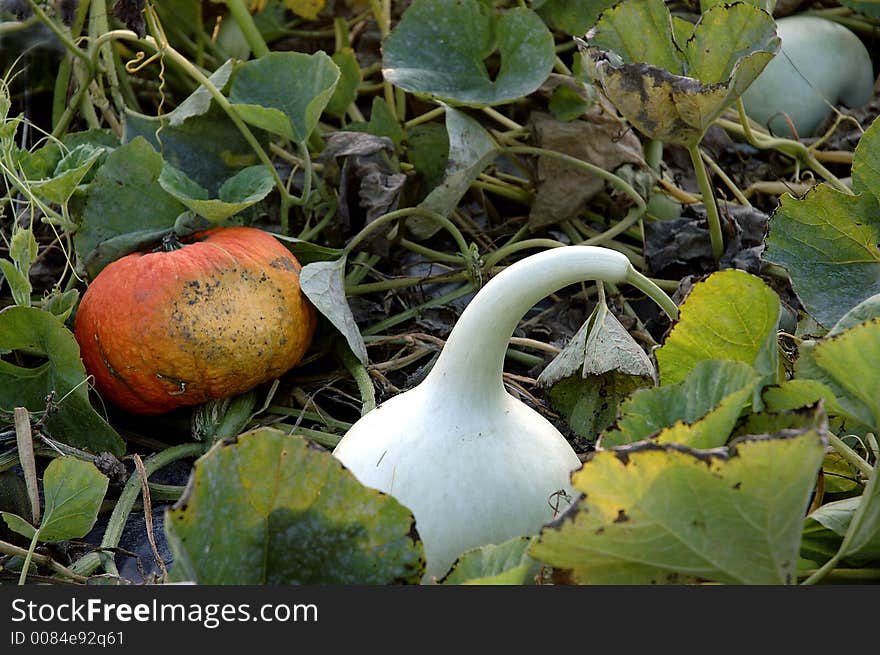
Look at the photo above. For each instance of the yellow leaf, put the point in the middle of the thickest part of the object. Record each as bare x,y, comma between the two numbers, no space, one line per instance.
308,9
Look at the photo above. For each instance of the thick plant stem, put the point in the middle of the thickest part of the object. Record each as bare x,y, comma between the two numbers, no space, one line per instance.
712,216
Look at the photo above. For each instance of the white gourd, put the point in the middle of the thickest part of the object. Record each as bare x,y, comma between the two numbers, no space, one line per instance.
820,62
474,464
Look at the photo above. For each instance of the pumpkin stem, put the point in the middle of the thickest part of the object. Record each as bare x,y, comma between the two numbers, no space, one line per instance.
170,242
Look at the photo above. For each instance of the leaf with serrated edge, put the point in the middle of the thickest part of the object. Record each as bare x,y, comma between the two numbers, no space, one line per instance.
652,513
699,412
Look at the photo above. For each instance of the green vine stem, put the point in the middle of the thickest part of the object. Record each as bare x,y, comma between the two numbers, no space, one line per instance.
361,377
708,193
797,151
88,563
441,220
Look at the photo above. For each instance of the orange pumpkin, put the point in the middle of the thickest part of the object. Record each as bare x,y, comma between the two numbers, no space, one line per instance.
210,318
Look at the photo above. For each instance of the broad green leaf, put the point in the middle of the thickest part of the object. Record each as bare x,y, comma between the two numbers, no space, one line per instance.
849,364
652,513
428,151
268,508
124,200
471,149
40,334
698,412
573,17
440,48
208,147
285,92
828,244
382,122
503,564
73,491
674,92
245,188
323,283
863,538
729,315
589,405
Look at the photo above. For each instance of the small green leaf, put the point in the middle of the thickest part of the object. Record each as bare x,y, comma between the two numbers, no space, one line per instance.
245,188
285,92
654,514
19,284
699,412
730,315
597,369
38,333
70,172
440,48
350,76
268,508
18,525
323,283
849,364
73,491
471,149
503,564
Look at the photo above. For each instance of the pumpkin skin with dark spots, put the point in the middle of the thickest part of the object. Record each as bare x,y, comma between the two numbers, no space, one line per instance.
213,318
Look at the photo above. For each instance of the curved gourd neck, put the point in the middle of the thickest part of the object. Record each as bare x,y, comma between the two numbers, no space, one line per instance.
471,364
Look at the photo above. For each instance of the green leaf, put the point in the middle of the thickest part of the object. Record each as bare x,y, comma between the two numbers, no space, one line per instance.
73,491
867,7
699,412
597,369
74,422
350,77
652,513
382,122
124,200
673,92
285,92
440,47
797,393
503,564
828,244
729,315
268,508
471,149
208,147
18,525
573,17
323,283
199,101
70,172
865,311
849,364
19,284
245,188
